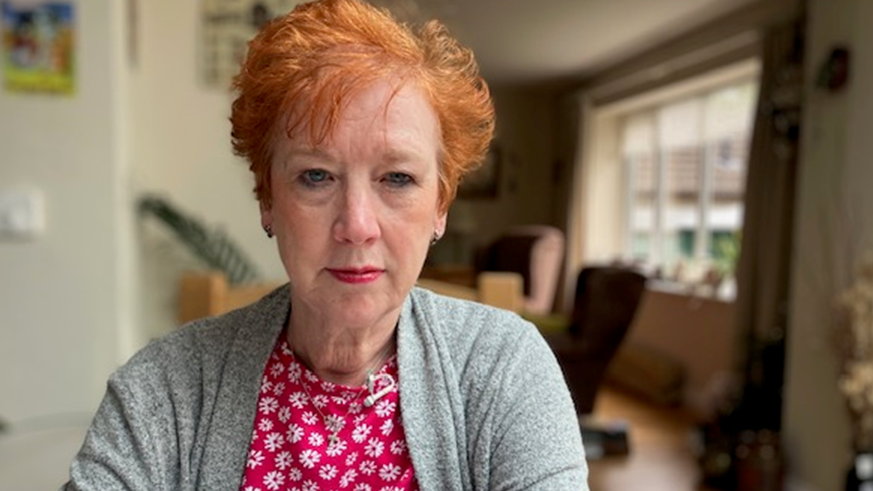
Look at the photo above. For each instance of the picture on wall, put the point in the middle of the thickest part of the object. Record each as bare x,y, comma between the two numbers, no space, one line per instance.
226,28
484,182
38,46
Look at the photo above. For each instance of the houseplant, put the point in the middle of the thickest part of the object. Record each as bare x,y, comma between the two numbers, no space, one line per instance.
854,346
211,246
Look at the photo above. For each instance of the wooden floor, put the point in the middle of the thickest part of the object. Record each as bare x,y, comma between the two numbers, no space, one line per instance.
661,456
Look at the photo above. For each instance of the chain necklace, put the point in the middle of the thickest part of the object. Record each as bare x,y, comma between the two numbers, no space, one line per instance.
334,423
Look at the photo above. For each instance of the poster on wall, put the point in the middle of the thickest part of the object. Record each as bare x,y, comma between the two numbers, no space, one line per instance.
226,28
38,46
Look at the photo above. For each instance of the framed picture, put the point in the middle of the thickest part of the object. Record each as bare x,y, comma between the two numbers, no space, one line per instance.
225,29
37,46
484,182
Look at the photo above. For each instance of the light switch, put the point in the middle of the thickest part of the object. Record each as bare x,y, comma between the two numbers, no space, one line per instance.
22,214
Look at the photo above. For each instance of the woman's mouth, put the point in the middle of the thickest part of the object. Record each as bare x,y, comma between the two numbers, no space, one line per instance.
356,275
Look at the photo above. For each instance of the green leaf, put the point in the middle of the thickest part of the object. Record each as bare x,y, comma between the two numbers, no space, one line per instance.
212,246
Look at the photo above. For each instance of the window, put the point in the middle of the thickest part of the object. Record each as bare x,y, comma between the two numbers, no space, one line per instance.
684,168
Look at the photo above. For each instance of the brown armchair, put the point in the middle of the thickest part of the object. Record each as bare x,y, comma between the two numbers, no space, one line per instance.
605,303
536,252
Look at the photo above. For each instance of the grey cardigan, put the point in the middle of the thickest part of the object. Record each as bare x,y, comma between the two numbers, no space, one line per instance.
483,401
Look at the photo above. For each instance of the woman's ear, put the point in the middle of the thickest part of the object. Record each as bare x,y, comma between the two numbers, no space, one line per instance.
266,216
439,226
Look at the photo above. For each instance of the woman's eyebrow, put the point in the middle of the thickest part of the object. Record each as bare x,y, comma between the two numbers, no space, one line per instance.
319,154
399,155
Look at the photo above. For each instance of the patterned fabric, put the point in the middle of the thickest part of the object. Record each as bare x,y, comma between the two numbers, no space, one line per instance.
292,446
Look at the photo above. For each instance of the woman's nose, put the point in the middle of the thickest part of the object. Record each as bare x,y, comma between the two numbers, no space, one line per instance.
358,218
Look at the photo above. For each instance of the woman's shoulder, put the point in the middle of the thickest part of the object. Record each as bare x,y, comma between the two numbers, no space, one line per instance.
458,308
211,340
464,323
479,341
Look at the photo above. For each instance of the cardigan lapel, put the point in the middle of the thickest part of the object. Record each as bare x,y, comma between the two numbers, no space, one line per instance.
239,383
429,401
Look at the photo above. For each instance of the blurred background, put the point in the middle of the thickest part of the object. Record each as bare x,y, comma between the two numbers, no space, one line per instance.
719,145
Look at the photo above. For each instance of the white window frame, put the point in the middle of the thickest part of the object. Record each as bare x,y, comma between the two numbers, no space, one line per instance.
601,240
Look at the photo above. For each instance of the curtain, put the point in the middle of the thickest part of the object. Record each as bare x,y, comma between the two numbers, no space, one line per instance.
575,113
763,269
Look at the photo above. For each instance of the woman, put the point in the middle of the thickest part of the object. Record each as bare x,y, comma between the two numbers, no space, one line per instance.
357,132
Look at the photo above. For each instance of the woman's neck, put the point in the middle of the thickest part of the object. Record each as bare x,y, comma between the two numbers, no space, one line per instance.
342,356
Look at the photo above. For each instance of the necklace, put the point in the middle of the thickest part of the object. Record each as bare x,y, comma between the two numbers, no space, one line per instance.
334,423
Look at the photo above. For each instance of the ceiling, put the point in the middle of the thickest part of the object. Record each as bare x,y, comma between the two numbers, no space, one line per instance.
519,41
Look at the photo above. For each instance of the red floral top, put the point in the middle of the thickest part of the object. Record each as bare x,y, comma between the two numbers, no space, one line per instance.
312,435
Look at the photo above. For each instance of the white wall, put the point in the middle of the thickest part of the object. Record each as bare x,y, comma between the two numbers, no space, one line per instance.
180,147
101,282
696,331
61,295
834,218
524,137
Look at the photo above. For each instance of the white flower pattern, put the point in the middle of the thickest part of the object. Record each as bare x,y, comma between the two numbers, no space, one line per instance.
297,400
360,433
309,457
351,459
315,439
320,401
368,467
387,427
385,408
374,448
285,414
256,458
284,460
273,480
294,433
290,451
335,449
266,385
309,418
294,371
327,472
398,447
268,405
278,388
348,478
274,442
389,472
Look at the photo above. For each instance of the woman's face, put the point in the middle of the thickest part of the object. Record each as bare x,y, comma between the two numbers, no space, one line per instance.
354,216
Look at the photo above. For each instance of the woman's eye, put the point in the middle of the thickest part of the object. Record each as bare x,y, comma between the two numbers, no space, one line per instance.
398,179
314,177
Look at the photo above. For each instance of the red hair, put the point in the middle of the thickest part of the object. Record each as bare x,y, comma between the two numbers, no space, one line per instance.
322,53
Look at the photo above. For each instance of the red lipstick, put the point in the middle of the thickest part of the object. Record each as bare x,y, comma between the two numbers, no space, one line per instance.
356,276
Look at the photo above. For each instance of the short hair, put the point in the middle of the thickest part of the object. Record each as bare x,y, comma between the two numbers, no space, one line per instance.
319,55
